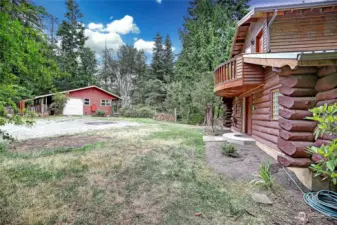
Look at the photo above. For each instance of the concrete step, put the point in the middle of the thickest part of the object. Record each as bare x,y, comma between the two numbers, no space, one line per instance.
238,138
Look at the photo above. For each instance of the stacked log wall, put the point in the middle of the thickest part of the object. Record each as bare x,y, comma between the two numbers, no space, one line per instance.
296,132
264,129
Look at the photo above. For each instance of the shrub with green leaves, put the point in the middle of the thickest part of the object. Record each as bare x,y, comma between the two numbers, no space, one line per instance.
326,119
100,113
229,150
265,178
59,102
137,112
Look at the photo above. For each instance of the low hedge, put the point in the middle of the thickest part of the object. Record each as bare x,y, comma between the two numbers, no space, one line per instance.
137,112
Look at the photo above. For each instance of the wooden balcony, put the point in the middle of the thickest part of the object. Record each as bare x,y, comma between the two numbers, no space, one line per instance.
236,77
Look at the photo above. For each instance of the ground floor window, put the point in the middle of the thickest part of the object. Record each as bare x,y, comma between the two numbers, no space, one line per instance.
105,102
86,101
275,104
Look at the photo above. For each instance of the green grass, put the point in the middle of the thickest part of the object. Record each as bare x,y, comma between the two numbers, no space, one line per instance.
151,174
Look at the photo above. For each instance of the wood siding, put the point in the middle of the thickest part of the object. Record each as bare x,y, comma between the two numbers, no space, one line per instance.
239,67
265,129
298,32
253,74
250,41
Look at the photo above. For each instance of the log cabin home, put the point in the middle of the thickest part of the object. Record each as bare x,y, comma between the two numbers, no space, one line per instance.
283,61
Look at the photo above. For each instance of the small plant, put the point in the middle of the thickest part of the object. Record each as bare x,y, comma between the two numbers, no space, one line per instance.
326,116
265,178
229,150
100,113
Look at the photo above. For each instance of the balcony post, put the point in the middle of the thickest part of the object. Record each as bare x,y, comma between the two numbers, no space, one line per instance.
221,78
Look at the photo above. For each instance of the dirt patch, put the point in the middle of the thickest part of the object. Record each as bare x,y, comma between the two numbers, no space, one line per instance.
287,199
55,142
100,123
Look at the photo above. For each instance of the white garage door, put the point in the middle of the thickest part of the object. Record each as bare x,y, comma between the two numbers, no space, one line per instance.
73,107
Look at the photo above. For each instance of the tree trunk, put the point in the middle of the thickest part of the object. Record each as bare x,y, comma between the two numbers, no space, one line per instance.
286,71
316,157
299,81
326,83
297,103
326,95
328,102
327,70
297,125
298,92
297,136
287,161
296,149
294,114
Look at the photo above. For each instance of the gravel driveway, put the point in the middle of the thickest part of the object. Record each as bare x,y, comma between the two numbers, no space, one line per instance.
62,126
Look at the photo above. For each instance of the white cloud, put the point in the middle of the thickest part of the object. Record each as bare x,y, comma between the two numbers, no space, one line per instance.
95,26
111,17
146,46
110,34
158,1
123,26
96,40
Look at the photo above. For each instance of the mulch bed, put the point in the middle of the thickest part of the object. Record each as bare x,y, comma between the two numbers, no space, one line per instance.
287,199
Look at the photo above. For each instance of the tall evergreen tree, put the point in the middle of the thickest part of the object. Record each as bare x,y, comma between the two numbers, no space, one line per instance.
74,57
157,65
206,41
105,72
168,58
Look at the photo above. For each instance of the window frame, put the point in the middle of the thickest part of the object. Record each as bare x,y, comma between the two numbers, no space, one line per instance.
88,103
105,100
272,108
258,41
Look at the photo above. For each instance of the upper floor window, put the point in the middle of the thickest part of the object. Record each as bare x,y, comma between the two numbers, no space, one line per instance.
86,101
259,42
275,104
105,102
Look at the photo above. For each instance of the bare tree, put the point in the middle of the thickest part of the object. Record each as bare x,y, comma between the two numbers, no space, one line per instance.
120,70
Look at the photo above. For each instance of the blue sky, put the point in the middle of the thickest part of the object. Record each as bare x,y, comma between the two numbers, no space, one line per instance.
133,22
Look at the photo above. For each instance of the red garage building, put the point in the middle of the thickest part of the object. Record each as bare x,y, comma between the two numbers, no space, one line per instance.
82,101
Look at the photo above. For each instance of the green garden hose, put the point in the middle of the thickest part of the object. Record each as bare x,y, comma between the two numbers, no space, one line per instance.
324,202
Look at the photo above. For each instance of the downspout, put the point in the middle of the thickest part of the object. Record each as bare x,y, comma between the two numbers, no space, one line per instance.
299,58
268,27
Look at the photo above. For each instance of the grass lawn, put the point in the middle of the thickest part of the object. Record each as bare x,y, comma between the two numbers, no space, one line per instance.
155,173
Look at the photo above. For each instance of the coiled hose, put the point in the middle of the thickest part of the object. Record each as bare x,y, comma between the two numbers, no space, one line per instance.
324,202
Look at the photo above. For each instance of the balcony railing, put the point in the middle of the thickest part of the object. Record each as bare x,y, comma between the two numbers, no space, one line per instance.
229,71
